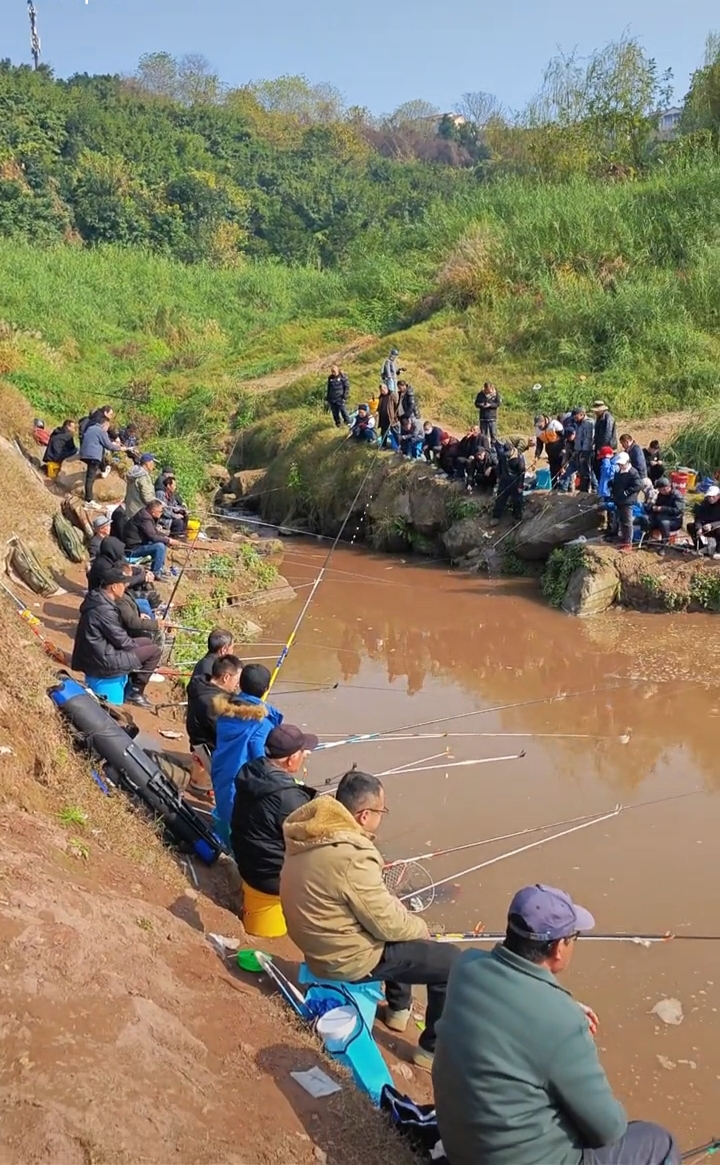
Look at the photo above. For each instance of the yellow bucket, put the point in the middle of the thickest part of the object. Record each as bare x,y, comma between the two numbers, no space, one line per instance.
52,468
193,528
262,914
692,480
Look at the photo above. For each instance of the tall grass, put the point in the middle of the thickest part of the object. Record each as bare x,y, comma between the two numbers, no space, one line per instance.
697,443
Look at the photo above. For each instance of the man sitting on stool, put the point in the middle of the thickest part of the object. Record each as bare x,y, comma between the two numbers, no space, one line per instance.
666,512
143,537
342,916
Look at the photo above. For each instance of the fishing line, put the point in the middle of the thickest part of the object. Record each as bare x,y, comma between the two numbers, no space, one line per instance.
291,638
380,737
193,546
481,936
458,764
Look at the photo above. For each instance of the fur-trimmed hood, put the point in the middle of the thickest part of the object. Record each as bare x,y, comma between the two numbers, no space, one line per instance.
240,707
323,821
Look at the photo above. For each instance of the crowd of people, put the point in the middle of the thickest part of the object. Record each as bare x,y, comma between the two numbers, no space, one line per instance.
583,453
516,1073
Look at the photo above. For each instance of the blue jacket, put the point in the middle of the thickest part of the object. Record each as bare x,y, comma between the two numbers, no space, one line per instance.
242,727
585,436
517,1076
608,468
94,443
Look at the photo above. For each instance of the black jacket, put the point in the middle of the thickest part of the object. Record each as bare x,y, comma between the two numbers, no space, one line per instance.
625,487
131,619
511,467
407,403
605,431
471,444
672,505
264,797
102,647
487,405
142,529
338,389
60,446
112,551
637,459
202,711
707,513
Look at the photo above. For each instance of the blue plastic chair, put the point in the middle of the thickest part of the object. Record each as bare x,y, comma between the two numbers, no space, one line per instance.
112,690
361,1055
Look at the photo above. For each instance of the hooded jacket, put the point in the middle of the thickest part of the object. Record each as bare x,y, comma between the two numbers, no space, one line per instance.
102,647
139,490
517,1078
242,726
265,796
112,551
94,443
338,909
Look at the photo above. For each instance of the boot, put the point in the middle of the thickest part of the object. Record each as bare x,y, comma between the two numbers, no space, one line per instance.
135,695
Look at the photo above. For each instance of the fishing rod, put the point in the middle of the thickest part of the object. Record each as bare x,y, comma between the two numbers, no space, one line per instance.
270,525
306,606
363,738
179,578
482,936
513,853
458,764
34,623
535,829
709,1148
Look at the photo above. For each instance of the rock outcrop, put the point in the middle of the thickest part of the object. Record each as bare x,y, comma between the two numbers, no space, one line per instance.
560,519
591,590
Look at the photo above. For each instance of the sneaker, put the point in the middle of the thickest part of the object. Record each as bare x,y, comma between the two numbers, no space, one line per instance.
138,698
716,557
165,576
106,471
423,1059
397,1021
625,546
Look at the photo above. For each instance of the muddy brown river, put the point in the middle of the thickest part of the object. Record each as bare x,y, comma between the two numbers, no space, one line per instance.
409,643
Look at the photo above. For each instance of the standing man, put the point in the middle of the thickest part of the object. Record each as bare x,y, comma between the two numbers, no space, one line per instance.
583,446
624,490
407,401
635,452
390,371
487,402
605,430
338,391
511,482
388,423
342,916
517,1076
95,443
139,489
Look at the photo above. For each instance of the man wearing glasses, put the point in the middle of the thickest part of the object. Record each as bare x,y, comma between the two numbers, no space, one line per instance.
517,1076
342,916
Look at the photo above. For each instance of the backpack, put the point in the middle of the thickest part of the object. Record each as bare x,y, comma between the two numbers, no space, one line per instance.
416,1124
22,561
68,538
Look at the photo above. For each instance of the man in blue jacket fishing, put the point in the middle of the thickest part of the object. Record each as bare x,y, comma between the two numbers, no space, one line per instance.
242,727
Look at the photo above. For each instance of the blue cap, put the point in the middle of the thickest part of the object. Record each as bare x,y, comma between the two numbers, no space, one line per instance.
548,914
147,457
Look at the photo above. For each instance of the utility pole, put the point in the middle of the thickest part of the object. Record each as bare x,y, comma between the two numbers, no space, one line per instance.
34,37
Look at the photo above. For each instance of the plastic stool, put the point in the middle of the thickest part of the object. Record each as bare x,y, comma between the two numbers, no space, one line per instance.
112,689
361,1055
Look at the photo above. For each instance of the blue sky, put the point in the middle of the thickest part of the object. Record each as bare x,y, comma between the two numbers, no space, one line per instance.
378,52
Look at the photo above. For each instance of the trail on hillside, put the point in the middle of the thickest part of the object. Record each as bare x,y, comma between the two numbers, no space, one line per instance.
276,380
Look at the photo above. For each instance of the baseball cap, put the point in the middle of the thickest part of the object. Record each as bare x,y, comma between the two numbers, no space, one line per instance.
394,352
548,914
146,457
100,521
623,459
712,491
599,405
115,575
607,451
286,739
662,483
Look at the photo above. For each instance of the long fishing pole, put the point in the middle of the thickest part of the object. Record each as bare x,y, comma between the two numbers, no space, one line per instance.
298,622
380,737
484,936
511,854
710,1148
533,829
458,764
178,580
34,623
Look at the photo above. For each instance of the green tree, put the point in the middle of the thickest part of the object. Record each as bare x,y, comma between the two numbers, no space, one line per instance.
701,108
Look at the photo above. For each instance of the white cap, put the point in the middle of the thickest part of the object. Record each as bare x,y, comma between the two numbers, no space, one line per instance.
623,459
712,491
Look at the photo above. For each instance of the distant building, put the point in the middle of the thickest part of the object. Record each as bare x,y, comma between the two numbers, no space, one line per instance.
669,121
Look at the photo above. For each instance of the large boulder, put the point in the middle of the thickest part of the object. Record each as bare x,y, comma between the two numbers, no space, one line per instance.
428,496
464,537
591,590
561,519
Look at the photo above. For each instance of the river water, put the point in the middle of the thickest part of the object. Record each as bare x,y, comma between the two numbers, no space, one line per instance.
409,643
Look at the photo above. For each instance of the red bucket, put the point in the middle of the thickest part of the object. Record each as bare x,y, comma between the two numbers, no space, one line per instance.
680,481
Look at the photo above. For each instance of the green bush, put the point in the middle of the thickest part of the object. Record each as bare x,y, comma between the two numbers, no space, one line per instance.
561,565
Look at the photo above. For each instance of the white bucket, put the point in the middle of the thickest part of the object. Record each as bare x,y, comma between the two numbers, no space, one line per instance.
336,1027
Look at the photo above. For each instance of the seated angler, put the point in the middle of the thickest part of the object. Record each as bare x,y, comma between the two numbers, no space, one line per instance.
705,526
517,1077
61,445
411,437
363,428
144,538
175,513
666,513
432,442
342,916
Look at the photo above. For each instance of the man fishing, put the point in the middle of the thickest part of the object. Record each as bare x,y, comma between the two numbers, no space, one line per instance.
342,916
517,1076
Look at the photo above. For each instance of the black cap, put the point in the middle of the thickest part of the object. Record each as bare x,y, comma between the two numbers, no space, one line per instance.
115,575
662,483
286,739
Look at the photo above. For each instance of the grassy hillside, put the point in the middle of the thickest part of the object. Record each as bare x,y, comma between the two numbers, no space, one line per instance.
587,289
